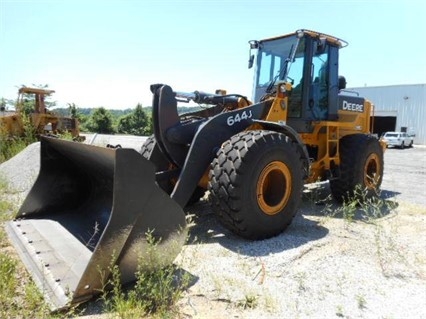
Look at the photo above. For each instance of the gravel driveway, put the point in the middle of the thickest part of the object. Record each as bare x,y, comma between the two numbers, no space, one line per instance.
322,266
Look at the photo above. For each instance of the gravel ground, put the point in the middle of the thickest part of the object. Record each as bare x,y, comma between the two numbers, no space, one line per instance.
322,266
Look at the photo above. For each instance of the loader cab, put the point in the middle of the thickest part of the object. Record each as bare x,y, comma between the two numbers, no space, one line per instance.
36,95
309,61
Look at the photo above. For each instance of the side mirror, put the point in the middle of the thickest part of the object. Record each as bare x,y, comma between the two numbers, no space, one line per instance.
254,45
250,62
342,82
321,45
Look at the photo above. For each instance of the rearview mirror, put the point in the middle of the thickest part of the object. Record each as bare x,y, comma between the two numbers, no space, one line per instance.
250,62
321,44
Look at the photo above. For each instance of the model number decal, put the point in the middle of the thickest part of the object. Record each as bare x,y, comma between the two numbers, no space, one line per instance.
231,120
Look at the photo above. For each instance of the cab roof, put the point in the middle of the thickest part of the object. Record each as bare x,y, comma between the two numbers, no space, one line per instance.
314,34
35,90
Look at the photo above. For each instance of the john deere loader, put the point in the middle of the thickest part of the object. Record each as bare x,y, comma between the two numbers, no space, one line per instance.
92,206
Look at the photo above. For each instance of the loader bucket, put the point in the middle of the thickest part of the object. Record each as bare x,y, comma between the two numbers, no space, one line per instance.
89,209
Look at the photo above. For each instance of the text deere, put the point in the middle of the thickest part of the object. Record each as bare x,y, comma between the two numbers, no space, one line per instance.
352,107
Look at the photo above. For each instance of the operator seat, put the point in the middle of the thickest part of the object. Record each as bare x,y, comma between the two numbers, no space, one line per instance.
321,108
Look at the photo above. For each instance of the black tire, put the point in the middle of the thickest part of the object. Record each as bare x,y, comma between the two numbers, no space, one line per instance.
162,164
147,146
256,183
361,168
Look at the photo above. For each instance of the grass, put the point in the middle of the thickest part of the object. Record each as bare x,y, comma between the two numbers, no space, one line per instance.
9,148
19,296
155,293
358,207
12,145
250,301
361,302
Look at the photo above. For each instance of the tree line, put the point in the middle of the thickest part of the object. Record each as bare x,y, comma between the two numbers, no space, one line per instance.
137,121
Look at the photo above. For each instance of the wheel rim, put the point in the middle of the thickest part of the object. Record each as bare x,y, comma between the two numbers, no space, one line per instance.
371,171
273,188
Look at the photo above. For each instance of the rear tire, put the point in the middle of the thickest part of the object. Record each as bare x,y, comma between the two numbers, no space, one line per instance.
256,183
361,165
162,164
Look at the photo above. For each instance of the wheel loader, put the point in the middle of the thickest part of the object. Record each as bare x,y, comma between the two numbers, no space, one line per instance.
41,119
92,207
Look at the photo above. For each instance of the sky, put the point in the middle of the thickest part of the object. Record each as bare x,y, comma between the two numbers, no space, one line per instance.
107,53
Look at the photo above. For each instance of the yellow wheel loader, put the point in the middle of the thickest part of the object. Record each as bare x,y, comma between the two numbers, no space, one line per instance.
41,119
92,207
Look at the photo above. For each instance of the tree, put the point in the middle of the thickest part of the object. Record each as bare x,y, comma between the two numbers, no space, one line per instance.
100,121
2,104
135,123
73,110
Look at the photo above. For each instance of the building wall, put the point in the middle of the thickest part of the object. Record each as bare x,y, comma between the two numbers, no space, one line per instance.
407,102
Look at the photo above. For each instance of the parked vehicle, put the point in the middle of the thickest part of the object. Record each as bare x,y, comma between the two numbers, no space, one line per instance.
398,139
43,121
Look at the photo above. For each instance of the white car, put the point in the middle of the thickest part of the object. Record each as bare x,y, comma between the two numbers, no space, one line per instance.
398,139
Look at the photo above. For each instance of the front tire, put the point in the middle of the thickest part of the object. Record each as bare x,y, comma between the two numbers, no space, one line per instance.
256,183
361,166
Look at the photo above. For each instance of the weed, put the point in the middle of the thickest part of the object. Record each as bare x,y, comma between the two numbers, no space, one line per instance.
349,209
91,242
218,284
7,273
359,206
249,302
156,291
12,145
271,303
301,280
361,302
16,302
5,207
376,207
339,311
66,136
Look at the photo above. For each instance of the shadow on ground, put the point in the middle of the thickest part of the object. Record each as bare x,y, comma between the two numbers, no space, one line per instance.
206,229
316,203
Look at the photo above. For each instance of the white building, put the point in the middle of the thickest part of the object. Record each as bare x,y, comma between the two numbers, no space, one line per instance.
398,108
